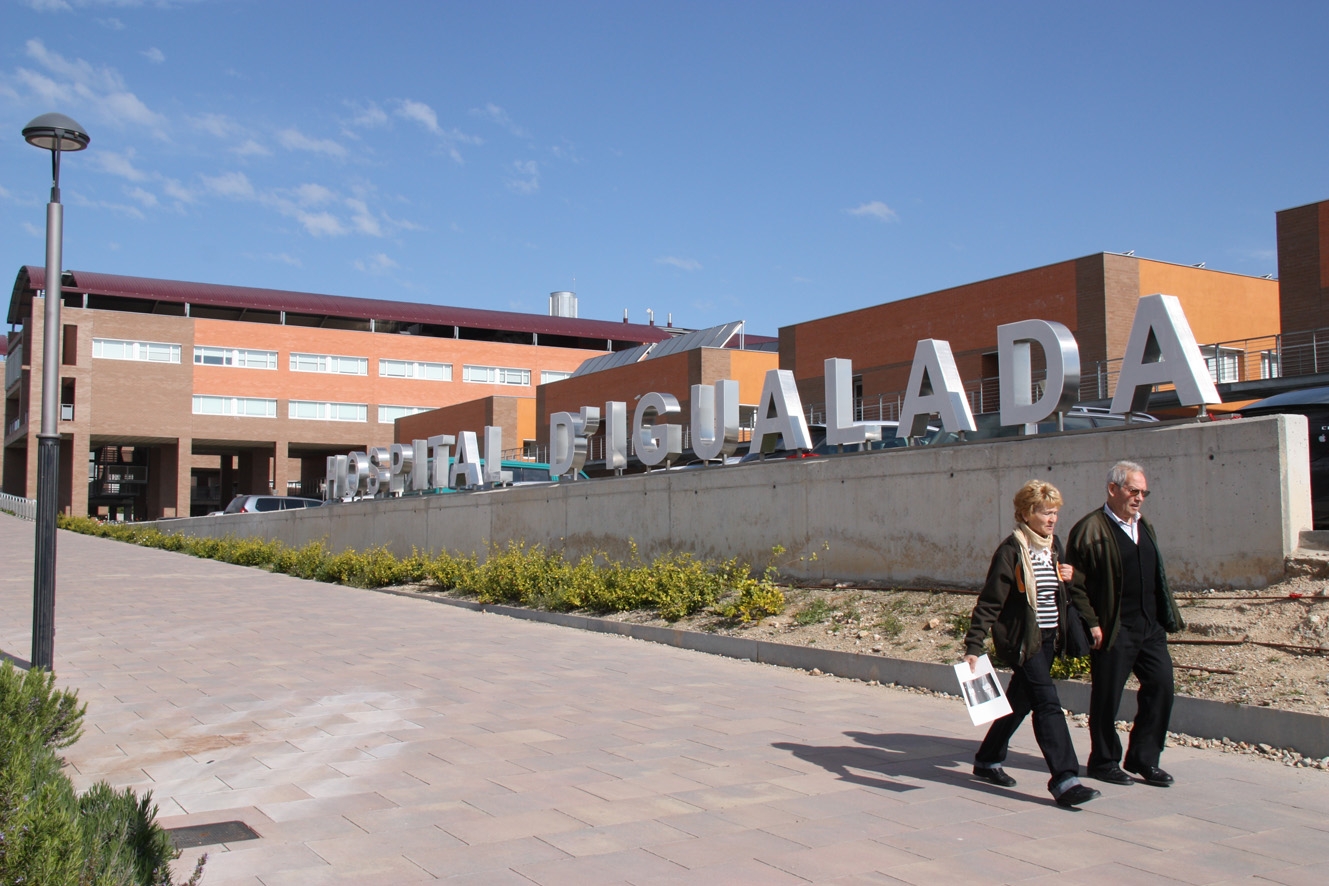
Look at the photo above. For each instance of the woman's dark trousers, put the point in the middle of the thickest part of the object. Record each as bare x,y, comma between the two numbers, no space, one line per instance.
1032,691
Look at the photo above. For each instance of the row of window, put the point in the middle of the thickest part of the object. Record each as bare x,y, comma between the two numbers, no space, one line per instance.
245,358
264,407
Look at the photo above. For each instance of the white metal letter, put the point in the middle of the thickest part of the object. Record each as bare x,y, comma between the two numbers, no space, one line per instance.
780,414
420,465
568,435
467,466
494,475
841,429
657,441
1061,390
616,436
440,448
1161,350
934,389
715,419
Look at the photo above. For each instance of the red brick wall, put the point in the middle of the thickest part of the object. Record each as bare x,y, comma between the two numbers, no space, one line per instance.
1303,266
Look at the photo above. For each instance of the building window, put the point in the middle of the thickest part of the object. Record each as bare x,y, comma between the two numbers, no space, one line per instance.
312,409
242,358
1224,364
496,375
415,369
250,407
330,363
548,375
146,351
1269,366
389,414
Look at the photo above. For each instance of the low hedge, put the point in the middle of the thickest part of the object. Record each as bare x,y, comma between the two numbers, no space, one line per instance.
675,585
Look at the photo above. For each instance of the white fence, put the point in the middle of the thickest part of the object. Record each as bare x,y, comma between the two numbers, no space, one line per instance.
23,508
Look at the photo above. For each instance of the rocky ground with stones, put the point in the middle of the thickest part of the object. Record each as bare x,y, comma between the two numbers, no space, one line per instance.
1268,647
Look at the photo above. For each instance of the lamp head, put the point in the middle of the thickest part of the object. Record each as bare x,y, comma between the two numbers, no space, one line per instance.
56,132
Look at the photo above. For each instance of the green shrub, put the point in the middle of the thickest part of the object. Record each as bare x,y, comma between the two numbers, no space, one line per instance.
48,835
31,707
301,562
1065,668
815,612
890,625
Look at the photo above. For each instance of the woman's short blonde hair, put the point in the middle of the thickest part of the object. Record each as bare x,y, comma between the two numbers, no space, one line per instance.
1034,495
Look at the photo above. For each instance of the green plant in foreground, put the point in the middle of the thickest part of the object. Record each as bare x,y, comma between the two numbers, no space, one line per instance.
814,612
49,836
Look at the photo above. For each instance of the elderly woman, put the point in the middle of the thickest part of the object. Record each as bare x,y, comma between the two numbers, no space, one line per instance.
1024,604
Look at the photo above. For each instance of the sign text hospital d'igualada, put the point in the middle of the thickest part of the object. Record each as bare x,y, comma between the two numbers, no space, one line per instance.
1161,350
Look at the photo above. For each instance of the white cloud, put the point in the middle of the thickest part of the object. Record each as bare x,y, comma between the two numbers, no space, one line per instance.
119,164
876,209
78,83
154,55
685,264
176,191
362,219
494,114
217,125
367,115
147,198
421,113
295,140
529,183
251,148
49,5
229,184
285,258
321,224
378,263
314,195
33,229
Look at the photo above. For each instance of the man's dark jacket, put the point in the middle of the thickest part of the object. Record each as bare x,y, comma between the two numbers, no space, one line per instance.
1003,607
1093,549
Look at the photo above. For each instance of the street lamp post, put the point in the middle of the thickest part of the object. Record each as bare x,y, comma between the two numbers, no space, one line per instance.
54,133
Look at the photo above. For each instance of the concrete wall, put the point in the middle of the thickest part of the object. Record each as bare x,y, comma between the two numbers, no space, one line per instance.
1229,500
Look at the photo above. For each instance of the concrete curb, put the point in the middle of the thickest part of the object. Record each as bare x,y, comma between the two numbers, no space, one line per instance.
1306,733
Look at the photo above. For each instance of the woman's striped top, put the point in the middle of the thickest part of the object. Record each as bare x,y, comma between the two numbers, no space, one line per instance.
1045,579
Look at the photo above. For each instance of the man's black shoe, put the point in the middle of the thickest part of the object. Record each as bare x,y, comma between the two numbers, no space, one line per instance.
1111,774
1074,796
994,774
1152,775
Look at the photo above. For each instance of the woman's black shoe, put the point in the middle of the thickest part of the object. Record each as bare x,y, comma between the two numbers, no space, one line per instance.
994,774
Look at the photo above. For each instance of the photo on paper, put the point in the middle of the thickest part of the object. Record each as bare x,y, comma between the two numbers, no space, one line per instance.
982,692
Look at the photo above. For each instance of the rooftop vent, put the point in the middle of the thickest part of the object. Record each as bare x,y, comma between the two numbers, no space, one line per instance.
563,304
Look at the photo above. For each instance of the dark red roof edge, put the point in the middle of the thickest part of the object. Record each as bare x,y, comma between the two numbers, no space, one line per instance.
32,277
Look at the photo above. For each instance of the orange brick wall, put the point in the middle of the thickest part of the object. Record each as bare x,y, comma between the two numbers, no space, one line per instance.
1094,296
515,415
1219,307
880,340
672,374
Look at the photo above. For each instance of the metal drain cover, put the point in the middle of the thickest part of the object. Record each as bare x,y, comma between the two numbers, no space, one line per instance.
211,834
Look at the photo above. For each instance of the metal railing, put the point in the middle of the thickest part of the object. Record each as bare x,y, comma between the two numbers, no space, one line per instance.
23,508
13,365
1248,359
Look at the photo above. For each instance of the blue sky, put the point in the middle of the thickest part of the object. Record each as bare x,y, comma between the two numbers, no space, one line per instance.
763,161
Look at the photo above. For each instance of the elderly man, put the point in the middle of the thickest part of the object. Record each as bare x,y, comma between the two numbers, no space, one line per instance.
1115,554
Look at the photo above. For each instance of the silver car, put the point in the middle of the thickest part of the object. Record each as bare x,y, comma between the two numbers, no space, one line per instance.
257,504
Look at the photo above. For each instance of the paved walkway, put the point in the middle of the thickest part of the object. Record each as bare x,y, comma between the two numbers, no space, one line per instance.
375,739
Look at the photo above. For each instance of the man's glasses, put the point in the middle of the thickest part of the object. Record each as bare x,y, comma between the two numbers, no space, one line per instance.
1133,491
